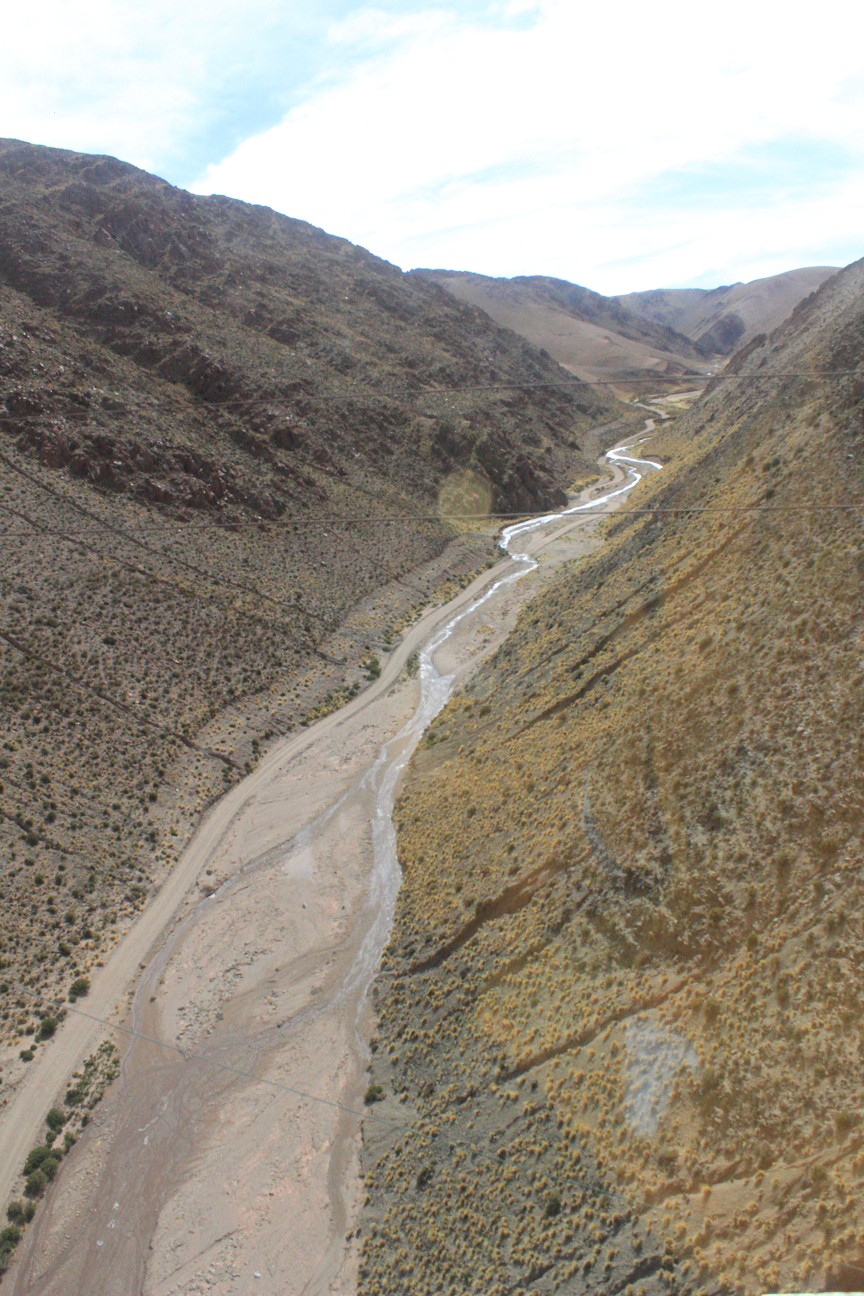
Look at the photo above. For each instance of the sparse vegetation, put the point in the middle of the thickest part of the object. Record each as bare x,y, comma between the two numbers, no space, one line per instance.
44,1160
650,1009
205,524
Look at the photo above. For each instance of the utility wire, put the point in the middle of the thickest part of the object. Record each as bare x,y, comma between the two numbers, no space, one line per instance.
243,403
245,1074
332,1103
572,383
242,1072
409,519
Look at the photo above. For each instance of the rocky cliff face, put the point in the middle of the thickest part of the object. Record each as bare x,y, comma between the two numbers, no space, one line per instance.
269,366
620,1004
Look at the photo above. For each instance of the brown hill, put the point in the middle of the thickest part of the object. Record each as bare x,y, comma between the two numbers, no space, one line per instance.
317,355
723,319
594,336
668,332
621,994
221,432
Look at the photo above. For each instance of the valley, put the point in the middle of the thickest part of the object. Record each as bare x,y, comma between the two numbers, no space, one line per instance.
192,1136
381,913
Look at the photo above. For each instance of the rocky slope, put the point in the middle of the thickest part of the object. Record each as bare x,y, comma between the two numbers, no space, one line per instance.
620,1017
668,333
312,360
721,320
595,336
221,432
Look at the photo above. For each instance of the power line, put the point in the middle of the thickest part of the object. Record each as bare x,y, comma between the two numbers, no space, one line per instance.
221,580
411,519
573,383
244,403
244,1073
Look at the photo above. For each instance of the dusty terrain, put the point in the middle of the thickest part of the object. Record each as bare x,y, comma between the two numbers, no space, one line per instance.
232,449
192,1179
593,336
666,333
622,994
721,320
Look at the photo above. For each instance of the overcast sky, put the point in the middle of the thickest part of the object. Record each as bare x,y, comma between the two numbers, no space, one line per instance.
623,146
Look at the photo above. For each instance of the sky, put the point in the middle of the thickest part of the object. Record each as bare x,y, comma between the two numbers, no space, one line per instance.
622,146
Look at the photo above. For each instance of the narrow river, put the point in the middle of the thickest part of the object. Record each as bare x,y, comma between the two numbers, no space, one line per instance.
224,1159
435,692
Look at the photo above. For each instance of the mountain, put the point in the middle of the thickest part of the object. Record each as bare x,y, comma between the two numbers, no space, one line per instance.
723,319
596,336
621,1005
665,332
223,435
318,357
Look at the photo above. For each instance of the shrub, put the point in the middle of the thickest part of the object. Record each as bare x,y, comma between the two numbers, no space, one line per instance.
36,1184
55,1119
373,1094
15,1212
79,988
38,1156
373,668
47,1028
843,1123
425,1176
553,1205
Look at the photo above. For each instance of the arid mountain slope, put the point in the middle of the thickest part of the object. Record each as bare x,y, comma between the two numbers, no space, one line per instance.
589,334
219,438
723,319
311,356
664,332
622,995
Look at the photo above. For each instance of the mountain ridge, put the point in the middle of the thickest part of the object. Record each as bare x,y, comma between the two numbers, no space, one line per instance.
729,317
622,963
665,333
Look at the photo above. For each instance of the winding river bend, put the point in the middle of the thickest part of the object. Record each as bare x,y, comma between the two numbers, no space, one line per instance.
224,1159
435,691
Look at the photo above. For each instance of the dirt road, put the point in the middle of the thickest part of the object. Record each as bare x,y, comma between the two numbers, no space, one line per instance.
224,1157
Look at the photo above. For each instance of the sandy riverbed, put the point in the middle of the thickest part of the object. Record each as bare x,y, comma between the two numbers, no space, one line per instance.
226,1160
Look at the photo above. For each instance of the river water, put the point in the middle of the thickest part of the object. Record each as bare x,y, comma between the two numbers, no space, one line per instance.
169,1097
435,691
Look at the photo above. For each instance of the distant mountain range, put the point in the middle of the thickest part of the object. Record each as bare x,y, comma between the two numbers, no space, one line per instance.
668,331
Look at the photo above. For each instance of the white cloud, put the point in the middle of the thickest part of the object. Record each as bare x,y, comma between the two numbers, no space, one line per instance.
513,150
126,78
507,136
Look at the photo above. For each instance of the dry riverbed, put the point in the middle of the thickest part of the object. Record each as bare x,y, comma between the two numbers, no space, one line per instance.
224,1157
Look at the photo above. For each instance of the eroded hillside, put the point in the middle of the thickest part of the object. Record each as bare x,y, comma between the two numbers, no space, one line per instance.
595,336
724,319
222,434
620,1016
